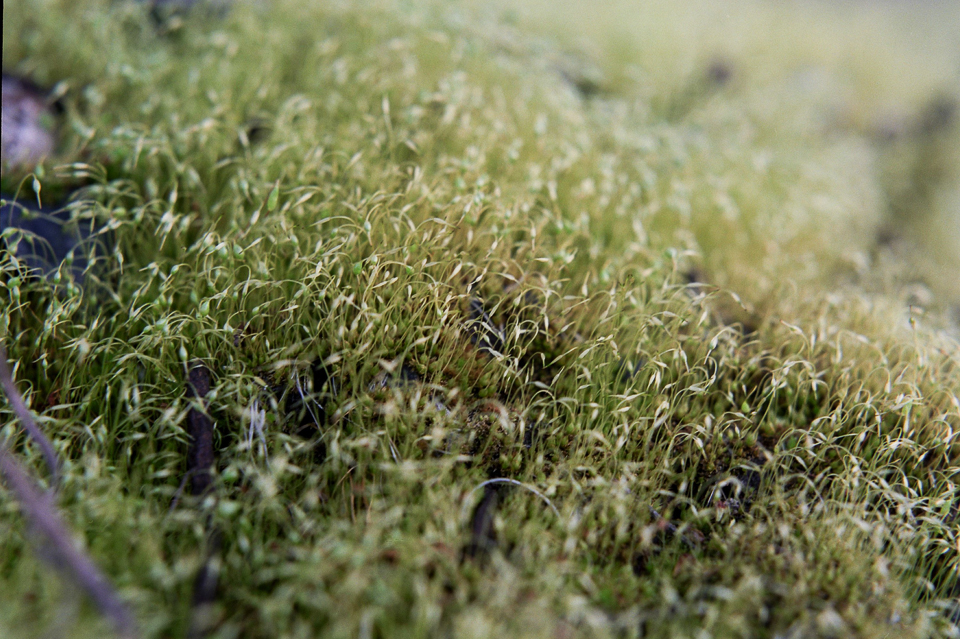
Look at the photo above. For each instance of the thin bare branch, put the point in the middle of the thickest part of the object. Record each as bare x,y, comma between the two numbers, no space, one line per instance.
200,456
26,419
38,508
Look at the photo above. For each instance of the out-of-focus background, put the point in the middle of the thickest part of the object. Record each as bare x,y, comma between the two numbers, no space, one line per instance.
829,129
864,95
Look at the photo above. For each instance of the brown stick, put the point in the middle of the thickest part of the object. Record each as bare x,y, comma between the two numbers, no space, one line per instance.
39,511
26,419
200,429
200,460
482,534
41,515
205,589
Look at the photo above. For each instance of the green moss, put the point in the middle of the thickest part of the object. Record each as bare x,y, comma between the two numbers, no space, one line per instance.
558,250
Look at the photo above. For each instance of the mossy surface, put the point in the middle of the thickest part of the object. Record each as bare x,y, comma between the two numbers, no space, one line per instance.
688,276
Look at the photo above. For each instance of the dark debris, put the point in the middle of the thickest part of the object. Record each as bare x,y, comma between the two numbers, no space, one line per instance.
307,406
939,115
402,379
483,537
205,589
720,72
200,455
485,334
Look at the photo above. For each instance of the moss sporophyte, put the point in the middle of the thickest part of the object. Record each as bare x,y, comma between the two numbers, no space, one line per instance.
478,319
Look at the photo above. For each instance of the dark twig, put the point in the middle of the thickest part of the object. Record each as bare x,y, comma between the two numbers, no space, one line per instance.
486,335
200,429
671,529
38,508
176,495
200,459
23,414
482,533
483,536
205,589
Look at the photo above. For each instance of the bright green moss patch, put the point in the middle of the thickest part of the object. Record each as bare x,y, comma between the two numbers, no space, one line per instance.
694,292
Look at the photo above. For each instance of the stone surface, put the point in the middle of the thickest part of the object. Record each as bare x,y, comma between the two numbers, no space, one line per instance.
43,237
26,136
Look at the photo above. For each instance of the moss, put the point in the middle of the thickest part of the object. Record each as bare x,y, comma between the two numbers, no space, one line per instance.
630,262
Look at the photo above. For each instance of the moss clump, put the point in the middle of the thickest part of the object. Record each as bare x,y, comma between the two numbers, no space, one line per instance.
421,246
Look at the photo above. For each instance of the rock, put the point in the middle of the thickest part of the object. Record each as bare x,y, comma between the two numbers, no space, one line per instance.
28,119
44,237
